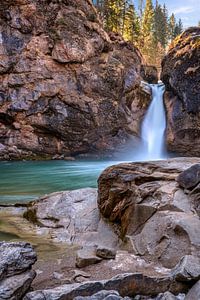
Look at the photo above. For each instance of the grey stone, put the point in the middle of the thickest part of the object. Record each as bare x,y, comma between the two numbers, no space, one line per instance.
189,178
194,293
15,287
129,284
15,258
187,269
101,295
105,252
166,296
16,276
86,256
76,219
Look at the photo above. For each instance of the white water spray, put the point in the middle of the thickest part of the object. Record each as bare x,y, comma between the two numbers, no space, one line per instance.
153,127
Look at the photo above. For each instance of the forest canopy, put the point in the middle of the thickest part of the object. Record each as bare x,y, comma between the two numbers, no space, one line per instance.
149,27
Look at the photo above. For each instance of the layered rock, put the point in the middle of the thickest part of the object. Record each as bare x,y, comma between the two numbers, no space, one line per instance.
156,217
181,75
16,276
126,284
67,88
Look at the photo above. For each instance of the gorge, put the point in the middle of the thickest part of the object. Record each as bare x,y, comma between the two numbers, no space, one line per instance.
106,216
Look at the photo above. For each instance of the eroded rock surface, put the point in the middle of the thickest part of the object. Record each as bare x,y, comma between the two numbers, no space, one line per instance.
73,217
181,75
125,284
156,217
16,276
67,88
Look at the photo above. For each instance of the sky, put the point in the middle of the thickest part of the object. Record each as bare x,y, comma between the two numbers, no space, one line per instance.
187,10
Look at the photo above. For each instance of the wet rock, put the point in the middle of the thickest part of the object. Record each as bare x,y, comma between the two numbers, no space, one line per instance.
86,257
105,252
181,75
16,276
125,284
187,269
194,293
149,74
189,178
152,213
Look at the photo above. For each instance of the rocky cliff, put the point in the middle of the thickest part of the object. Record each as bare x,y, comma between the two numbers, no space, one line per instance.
66,87
181,74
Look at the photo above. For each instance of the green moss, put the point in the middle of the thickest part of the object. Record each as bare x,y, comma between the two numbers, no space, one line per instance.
31,216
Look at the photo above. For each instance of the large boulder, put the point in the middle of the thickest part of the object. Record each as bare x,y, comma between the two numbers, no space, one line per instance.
67,88
181,75
72,217
155,216
16,276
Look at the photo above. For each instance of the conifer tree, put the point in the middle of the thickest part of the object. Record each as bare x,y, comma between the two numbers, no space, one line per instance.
147,43
178,28
172,25
147,19
132,25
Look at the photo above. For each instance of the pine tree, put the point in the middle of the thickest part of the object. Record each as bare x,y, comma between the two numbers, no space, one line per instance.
174,28
147,19
178,28
172,25
147,43
131,25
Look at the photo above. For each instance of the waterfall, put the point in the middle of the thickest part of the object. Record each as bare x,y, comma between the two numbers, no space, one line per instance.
153,126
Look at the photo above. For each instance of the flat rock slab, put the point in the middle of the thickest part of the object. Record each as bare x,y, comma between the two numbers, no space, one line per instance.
86,256
72,217
126,285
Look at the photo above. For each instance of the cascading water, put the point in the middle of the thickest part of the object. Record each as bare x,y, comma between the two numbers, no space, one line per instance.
153,126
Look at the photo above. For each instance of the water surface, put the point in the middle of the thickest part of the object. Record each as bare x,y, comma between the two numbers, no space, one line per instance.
22,181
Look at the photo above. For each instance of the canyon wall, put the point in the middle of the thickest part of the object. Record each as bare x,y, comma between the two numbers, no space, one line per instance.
181,75
67,88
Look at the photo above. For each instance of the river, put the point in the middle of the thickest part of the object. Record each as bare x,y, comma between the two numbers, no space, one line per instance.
22,181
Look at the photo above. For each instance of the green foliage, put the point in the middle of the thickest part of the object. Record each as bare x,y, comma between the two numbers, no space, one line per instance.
148,27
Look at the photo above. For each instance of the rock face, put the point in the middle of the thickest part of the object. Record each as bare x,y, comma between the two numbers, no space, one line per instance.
16,275
149,74
158,219
181,75
67,88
